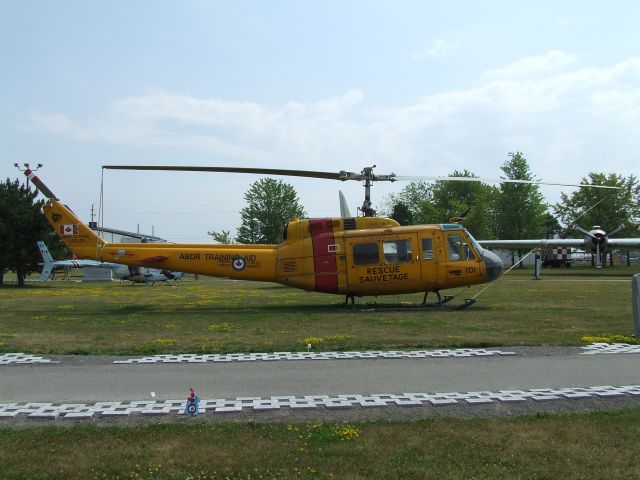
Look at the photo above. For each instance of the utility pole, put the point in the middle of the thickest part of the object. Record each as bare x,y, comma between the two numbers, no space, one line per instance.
635,299
92,224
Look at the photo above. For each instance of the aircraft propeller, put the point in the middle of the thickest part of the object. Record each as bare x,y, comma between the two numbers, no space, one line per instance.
366,176
599,240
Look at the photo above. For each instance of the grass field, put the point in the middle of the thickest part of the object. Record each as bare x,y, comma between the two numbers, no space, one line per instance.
594,446
215,315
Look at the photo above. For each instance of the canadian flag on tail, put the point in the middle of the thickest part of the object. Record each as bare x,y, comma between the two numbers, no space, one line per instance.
66,230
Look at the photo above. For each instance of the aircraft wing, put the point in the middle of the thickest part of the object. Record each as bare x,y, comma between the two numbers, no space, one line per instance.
624,242
534,243
557,242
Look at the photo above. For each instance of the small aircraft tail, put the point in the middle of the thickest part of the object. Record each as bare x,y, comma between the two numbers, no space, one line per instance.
77,236
48,261
44,251
344,208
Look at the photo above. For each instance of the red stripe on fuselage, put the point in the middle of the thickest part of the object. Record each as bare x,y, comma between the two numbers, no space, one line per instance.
324,261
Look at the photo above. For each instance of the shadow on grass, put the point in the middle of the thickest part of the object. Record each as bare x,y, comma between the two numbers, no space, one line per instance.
131,309
362,309
27,286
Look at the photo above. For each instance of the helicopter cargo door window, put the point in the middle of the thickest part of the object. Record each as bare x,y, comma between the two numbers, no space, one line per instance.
429,267
427,249
397,251
365,253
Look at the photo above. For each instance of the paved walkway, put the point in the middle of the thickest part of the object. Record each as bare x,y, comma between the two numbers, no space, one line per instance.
96,379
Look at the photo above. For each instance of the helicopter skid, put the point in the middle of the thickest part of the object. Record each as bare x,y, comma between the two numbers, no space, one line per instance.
410,307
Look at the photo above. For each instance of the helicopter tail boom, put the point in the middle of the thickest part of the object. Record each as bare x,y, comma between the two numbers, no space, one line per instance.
247,262
77,236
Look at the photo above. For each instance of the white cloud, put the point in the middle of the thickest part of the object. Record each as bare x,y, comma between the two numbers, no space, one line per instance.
563,20
567,124
54,123
438,48
539,64
583,120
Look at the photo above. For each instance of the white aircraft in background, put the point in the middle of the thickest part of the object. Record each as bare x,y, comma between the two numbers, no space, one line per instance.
145,275
122,272
596,241
50,265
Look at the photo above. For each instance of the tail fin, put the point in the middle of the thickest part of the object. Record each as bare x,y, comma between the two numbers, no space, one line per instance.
48,261
77,236
46,272
44,251
344,208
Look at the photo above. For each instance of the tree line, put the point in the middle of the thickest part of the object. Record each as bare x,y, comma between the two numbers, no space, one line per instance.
517,210
507,211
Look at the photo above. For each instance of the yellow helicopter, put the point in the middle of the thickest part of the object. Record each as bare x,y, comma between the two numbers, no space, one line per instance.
352,256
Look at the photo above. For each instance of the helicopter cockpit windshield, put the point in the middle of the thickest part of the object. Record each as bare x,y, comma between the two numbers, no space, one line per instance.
478,248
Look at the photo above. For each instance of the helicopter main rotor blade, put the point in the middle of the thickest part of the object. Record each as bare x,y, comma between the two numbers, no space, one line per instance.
264,171
502,180
342,175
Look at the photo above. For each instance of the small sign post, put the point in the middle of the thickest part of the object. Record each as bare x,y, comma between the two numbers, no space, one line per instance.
537,266
635,299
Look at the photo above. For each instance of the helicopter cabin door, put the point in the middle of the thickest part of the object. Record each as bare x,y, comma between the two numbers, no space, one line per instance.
383,264
463,264
428,242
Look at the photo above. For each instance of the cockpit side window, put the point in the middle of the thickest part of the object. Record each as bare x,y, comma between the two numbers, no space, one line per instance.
479,249
458,248
454,247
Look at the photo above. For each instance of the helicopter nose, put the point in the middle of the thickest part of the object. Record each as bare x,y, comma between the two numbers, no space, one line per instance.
492,264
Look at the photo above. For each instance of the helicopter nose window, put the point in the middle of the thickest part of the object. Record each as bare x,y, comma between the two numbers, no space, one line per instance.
397,251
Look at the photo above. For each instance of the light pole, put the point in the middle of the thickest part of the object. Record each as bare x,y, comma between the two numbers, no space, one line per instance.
26,165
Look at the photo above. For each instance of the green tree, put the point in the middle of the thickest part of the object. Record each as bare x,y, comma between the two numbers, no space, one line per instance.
22,224
474,200
417,198
551,226
223,237
606,208
270,205
402,214
521,208
440,202
520,211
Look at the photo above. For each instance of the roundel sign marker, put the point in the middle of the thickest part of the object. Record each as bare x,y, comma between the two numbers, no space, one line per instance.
238,264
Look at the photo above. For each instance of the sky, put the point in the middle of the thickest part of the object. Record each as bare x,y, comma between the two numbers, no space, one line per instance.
413,87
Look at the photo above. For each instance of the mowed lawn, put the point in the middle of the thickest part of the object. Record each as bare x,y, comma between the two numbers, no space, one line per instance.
217,315
595,446
221,316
